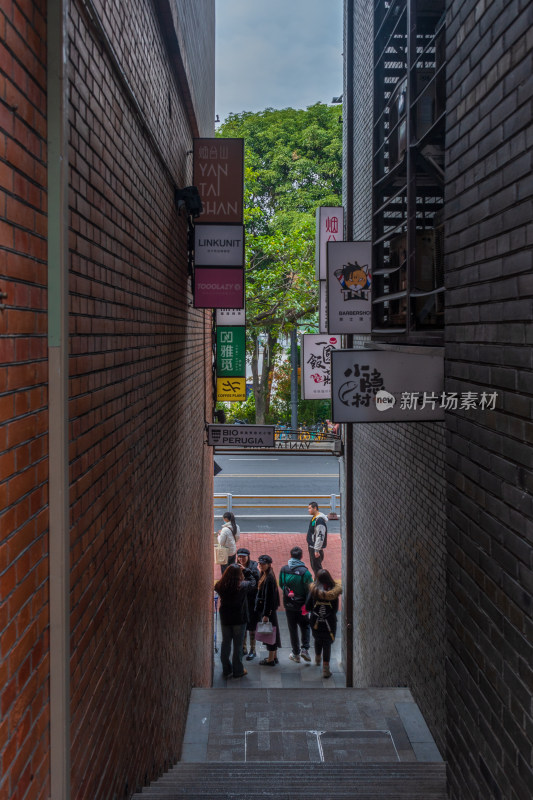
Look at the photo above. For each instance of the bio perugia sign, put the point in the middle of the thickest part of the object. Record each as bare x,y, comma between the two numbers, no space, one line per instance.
386,386
241,435
219,177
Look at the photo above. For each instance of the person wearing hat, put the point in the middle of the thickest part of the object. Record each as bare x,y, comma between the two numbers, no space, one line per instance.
243,558
266,605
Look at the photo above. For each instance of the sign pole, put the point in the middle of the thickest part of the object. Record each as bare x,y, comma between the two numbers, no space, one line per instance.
294,380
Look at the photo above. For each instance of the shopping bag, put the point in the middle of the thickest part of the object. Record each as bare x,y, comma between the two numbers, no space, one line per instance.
221,554
265,632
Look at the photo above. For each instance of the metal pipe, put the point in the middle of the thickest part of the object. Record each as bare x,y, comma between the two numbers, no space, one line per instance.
58,482
348,114
294,379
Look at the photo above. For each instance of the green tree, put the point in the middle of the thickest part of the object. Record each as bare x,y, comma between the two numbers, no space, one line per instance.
293,164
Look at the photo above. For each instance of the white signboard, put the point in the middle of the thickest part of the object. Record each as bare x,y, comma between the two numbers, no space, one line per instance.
349,287
323,308
218,245
316,365
386,386
231,316
329,228
241,435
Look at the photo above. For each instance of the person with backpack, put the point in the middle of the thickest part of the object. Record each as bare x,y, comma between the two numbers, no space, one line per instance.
322,602
294,582
317,536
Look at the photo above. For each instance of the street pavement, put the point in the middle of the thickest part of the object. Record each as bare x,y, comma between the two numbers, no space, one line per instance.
266,479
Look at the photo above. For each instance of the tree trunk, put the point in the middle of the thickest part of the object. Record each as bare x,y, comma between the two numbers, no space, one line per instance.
262,380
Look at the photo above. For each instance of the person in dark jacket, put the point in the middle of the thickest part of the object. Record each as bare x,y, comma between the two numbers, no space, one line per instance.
266,605
233,588
294,582
317,536
323,603
243,558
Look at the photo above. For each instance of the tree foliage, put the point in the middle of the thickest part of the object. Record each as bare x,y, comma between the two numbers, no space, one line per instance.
293,164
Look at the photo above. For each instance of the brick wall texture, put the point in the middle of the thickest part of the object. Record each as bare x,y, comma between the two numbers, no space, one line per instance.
139,392
399,496
489,333
24,662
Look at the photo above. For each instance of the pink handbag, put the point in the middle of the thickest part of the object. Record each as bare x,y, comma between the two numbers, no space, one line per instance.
265,632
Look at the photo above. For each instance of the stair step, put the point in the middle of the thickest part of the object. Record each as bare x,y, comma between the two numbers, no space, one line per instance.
299,781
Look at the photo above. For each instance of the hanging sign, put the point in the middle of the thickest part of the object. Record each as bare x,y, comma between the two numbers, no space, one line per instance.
316,365
241,435
218,287
218,170
231,352
231,390
231,316
219,245
386,386
323,307
329,228
349,287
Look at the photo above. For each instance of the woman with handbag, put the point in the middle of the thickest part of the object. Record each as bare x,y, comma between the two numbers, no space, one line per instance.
323,603
228,536
266,605
232,589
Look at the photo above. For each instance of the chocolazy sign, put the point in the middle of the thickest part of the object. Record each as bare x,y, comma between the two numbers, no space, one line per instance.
218,287
218,171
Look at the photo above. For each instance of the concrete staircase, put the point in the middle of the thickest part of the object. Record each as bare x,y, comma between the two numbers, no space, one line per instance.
256,780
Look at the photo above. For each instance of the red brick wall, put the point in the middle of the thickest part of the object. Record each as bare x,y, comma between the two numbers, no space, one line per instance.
141,477
24,666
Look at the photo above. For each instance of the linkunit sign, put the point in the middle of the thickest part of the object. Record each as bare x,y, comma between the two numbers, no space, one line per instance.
241,435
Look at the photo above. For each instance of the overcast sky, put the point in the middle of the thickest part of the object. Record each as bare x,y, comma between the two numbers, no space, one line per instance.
277,53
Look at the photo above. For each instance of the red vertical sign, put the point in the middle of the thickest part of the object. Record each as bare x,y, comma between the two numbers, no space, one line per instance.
219,177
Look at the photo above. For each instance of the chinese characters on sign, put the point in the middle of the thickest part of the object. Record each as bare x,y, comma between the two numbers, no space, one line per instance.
231,352
329,228
323,308
231,316
218,170
376,386
349,287
316,365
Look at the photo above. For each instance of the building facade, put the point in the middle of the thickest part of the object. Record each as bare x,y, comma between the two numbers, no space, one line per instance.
105,479
440,146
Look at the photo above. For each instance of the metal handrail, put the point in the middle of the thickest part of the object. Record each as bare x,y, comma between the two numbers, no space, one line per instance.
230,504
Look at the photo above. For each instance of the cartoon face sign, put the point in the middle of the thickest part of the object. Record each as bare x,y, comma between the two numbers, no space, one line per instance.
354,278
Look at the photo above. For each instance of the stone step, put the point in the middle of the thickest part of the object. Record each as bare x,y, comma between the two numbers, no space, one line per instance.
298,781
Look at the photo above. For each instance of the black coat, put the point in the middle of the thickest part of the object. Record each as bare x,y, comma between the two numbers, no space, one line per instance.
267,600
234,605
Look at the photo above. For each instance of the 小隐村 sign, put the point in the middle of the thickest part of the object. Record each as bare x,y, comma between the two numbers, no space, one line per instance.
386,386
241,435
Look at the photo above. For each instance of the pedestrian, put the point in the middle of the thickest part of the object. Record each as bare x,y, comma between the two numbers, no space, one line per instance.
323,603
228,536
317,536
243,558
266,605
232,589
294,582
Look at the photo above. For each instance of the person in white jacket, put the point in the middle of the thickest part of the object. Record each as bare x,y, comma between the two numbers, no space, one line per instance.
228,536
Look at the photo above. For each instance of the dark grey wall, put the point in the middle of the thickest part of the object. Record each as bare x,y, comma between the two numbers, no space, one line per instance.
489,234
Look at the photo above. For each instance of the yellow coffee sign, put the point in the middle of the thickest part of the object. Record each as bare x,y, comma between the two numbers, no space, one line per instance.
231,390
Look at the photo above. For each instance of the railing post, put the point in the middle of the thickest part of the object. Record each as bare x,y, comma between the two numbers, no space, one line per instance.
333,503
